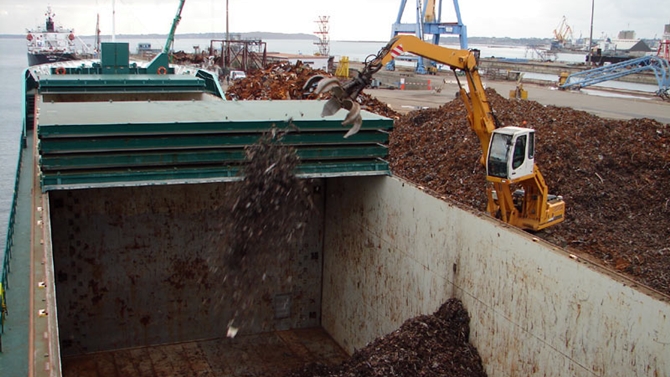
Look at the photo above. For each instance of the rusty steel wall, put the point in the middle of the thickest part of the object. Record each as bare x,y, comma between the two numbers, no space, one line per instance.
139,266
393,252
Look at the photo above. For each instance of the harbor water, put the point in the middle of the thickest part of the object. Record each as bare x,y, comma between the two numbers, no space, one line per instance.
14,61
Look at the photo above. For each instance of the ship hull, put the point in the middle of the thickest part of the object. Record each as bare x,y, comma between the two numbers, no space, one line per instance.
611,59
42,58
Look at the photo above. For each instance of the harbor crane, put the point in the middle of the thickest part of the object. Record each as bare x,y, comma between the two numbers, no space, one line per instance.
429,23
563,33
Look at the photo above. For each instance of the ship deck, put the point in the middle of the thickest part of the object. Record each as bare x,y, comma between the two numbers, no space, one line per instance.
15,339
267,354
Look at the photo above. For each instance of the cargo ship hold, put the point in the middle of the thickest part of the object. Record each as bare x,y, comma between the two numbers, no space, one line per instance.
50,43
139,243
122,210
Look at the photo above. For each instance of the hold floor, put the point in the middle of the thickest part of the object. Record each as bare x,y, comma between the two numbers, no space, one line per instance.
267,354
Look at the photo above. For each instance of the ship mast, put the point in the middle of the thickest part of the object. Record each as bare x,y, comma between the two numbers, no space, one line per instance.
591,35
97,33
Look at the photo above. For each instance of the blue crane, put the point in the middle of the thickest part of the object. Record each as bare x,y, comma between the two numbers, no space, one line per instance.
659,66
429,22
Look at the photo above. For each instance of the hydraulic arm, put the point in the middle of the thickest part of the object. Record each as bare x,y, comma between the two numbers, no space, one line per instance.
517,192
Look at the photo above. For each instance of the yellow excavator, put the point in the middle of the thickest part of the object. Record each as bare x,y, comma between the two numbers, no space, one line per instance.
517,192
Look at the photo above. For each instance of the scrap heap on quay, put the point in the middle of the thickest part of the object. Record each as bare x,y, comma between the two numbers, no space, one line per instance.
606,218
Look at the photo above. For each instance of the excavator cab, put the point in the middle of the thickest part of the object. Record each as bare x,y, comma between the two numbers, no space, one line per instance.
511,153
517,192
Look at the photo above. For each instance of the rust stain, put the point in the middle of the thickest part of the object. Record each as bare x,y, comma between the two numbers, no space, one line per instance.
145,320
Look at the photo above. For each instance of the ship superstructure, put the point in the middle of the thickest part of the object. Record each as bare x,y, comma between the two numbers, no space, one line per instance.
50,43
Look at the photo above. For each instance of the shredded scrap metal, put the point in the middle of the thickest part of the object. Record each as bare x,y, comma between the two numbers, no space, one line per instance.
613,174
181,57
270,204
427,345
285,81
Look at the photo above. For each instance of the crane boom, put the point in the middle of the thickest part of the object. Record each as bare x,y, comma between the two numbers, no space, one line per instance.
173,29
479,111
563,33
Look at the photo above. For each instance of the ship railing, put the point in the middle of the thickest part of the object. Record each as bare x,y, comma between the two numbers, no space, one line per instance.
9,244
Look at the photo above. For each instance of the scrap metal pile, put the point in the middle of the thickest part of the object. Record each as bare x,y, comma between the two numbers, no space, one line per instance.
181,57
285,81
613,174
427,345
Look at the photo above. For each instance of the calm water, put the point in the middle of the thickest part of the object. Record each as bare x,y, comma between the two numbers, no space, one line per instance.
356,51
12,64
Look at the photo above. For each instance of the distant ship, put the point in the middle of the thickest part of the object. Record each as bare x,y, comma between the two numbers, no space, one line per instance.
50,44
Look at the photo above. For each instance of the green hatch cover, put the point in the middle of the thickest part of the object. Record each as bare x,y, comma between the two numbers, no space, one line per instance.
99,144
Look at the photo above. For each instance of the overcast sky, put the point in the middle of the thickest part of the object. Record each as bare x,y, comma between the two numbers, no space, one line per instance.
349,19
